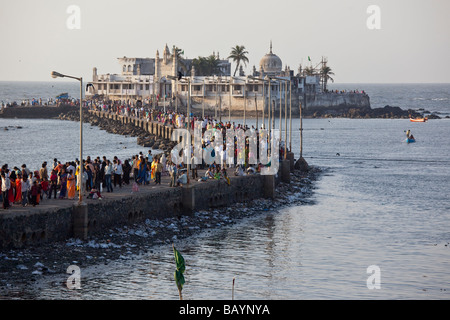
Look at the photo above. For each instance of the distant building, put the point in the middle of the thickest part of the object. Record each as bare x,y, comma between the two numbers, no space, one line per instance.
147,78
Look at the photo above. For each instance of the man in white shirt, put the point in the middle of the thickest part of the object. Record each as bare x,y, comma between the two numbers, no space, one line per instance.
6,185
117,167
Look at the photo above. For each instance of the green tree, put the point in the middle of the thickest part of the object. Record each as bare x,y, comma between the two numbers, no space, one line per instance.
309,71
206,66
238,54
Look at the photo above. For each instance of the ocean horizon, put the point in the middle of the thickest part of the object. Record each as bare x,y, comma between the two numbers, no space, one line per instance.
433,97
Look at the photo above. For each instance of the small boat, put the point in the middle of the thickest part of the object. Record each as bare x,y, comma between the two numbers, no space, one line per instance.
409,140
418,119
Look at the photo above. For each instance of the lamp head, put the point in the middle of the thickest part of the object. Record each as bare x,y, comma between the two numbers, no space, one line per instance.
57,74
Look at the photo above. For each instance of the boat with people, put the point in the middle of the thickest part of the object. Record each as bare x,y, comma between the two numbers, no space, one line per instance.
418,119
409,137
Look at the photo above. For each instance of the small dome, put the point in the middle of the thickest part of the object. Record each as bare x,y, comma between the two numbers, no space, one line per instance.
271,63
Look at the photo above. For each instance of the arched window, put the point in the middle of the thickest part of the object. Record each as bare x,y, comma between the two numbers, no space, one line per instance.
124,68
129,68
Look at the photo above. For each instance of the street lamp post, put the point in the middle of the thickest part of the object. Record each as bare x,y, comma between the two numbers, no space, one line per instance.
229,109
59,75
285,114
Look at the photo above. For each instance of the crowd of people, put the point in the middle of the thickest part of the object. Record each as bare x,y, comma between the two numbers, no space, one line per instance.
21,186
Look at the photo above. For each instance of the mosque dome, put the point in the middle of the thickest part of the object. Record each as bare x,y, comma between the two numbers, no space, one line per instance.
270,63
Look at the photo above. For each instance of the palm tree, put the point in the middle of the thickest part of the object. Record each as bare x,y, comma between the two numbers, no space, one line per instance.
238,54
309,71
325,73
213,65
206,66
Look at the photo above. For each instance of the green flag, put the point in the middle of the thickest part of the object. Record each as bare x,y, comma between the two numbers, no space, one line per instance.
309,59
179,261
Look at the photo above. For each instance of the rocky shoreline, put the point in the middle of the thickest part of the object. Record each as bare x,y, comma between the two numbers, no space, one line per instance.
387,112
21,268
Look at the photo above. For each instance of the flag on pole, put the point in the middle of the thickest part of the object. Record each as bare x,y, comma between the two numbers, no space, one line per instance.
179,278
309,58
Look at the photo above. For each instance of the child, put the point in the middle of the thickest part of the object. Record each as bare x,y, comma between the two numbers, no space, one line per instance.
94,194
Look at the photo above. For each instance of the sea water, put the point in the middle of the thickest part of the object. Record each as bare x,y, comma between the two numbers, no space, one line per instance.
380,204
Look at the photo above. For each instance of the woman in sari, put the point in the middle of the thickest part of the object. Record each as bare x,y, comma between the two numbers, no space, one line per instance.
12,188
18,198
142,172
71,185
153,169
63,180
38,183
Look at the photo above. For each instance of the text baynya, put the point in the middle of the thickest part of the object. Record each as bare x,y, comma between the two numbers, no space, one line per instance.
246,309
227,309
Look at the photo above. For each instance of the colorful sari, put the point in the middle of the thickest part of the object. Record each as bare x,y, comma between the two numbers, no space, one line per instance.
18,198
71,186
141,172
153,176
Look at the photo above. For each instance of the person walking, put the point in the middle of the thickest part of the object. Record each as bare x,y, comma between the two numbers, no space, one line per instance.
117,167
43,173
71,185
25,187
53,184
158,171
126,168
108,173
63,182
6,184
34,193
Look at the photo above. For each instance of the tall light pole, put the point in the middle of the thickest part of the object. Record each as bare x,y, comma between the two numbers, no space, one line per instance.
60,75
286,81
229,109
244,91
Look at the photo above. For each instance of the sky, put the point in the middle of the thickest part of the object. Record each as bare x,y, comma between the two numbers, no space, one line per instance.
404,41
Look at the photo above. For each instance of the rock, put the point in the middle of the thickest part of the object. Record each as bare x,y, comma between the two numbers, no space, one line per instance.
301,165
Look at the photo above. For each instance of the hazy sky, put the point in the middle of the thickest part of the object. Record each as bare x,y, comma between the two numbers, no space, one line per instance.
412,44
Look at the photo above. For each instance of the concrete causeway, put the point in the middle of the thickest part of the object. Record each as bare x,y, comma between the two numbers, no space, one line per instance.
57,220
